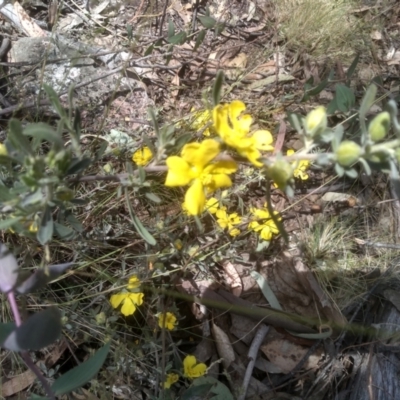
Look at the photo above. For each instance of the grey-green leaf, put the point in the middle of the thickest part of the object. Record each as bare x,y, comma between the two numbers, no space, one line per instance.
46,227
38,331
217,88
207,22
8,269
140,229
44,131
179,38
17,138
78,376
5,331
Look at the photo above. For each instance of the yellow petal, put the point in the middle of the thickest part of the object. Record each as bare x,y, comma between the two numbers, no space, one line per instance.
128,307
133,282
170,380
216,181
221,167
136,298
200,154
195,198
179,172
266,234
234,232
290,152
192,369
263,140
116,299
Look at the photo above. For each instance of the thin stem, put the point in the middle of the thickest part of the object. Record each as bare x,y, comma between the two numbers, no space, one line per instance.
14,308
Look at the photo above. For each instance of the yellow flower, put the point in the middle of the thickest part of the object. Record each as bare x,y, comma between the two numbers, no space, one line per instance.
170,380
266,228
225,220
212,205
129,302
195,168
200,119
234,128
142,156
300,167
167,320
192,369
133,282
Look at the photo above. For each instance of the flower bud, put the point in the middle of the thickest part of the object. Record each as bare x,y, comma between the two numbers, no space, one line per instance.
3,150
379,126
348,153
316,121
281,172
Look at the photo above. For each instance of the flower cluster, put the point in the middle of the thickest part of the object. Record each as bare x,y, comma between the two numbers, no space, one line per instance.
129,299
142,156
167,320
262,223
196,168
191,369
300,167
234,129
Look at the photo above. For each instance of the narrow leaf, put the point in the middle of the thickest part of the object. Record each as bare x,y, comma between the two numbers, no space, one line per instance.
199,39
207,22
179,38
352,67
216,93
78,376
44,131
141,230
17,138
46,227
171,28
54,100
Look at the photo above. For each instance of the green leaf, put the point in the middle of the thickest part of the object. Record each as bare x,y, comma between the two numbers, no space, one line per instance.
78,165
352,67
140,229
44,131
153,118
366,104
219,28
17,138
46,227
64,232
54,100
266,290
78,376
199,39
76,133
8,223
179,38
345,98
149,50
38,331
5,331
207,22
153,197
216,93
171,28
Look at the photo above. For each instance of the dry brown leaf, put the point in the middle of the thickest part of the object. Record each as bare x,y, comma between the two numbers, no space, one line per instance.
235,66
30,27
20,382
224,346
286,355
175,83
232,278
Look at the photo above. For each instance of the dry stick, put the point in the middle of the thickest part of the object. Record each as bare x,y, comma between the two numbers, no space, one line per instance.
252,355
